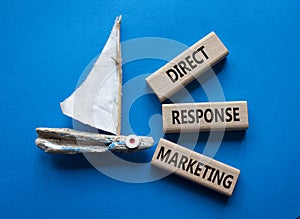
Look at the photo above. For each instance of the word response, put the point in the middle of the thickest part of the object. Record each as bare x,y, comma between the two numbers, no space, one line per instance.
187,66
203,117
195,167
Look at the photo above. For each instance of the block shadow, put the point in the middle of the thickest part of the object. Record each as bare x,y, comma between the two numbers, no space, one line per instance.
203,136
192,187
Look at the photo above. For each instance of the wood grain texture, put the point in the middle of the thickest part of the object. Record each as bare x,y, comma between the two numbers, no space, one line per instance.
203,117
187,66
195,167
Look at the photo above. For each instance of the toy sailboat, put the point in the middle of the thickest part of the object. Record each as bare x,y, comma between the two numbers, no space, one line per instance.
96,103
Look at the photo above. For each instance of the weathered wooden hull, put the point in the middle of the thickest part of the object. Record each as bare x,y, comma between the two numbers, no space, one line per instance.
69,141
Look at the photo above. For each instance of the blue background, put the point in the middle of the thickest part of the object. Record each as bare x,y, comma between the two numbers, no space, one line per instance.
44,47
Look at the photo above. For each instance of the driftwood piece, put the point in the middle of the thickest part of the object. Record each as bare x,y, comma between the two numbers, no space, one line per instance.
69,141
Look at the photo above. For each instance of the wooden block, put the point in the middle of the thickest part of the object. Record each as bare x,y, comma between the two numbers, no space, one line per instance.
195,167
202,117
187,66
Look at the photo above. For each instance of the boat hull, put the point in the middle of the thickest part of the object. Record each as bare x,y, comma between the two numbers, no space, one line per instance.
69,141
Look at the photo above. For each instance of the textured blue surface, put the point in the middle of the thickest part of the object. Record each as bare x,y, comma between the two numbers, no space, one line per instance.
44,47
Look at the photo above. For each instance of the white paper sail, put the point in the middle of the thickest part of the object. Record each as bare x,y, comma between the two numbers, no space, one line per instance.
97,101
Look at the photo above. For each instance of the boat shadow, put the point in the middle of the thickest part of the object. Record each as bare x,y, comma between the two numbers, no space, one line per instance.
70,162
80,161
